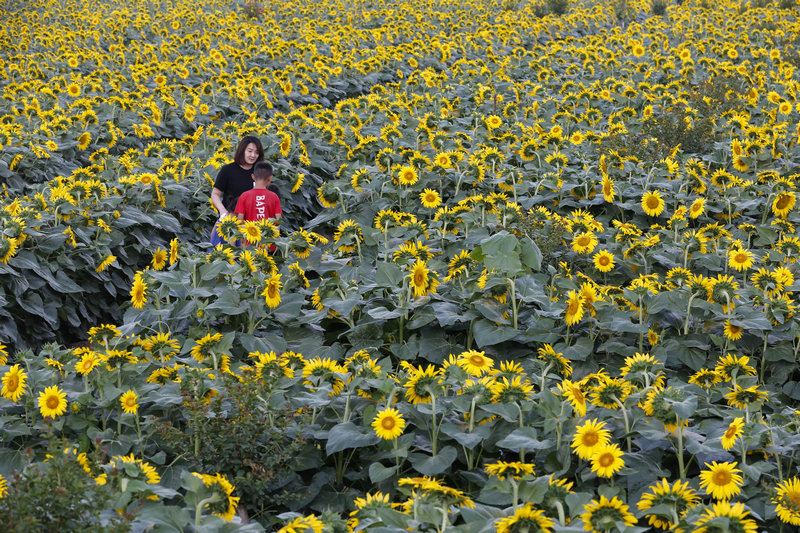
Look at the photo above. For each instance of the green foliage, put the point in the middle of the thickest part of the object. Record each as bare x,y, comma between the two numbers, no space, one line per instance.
59,495
658,7
557,7
239,430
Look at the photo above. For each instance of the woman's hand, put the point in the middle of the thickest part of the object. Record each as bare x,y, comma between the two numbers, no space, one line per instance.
216,200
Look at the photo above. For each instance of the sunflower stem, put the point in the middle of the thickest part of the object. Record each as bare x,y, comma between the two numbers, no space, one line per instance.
434,431
627,422
198,510
139,432
681,466
561,515
641,321
688,315
544,375
744,451
514,491
521,425
346,416
559,425
513,301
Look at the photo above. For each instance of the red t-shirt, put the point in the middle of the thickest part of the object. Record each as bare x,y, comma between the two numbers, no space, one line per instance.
258,204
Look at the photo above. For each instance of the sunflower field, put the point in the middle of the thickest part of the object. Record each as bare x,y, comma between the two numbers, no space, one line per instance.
537,269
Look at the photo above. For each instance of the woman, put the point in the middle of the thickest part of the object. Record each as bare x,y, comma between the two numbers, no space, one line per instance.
234,179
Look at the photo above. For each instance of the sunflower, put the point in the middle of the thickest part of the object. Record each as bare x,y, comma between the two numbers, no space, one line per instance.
221,253
87,363
272,291
500,468
430,199
589,438
575,309
732,366
574,395
516,390
697,207
783,203
607,185
128,401
376,500
388,424
555,360
205,346
584,243
475,363
421,384
307,524
653,203
606,514
159,260
285,144
225,505
526,518
607,460
229,228
659,404
678,497
324,372
138,291
732,332
604,261
740,259
611,392
787,501
423,281
52,402
251,232
721,480
161,345
74,90
14,383
8,248
705,378
407,175
328,195
493,122
733,433
299,179
741,397
735,515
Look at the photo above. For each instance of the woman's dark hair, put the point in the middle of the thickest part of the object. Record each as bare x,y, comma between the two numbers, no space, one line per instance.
246,141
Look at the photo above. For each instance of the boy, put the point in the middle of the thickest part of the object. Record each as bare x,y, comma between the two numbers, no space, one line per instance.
259,202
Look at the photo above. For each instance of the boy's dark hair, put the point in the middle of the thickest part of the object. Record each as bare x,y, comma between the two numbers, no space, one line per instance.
262,170
246,141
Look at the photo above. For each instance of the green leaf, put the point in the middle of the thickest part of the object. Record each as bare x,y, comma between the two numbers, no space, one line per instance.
388,275
488,333
381,313
531,254
524,438
436,464
348,435
501,252
227,303
378,472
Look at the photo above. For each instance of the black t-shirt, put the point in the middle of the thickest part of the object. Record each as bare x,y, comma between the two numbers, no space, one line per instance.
233,180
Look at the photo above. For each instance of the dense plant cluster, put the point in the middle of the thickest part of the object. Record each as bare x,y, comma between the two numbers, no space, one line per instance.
538,269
